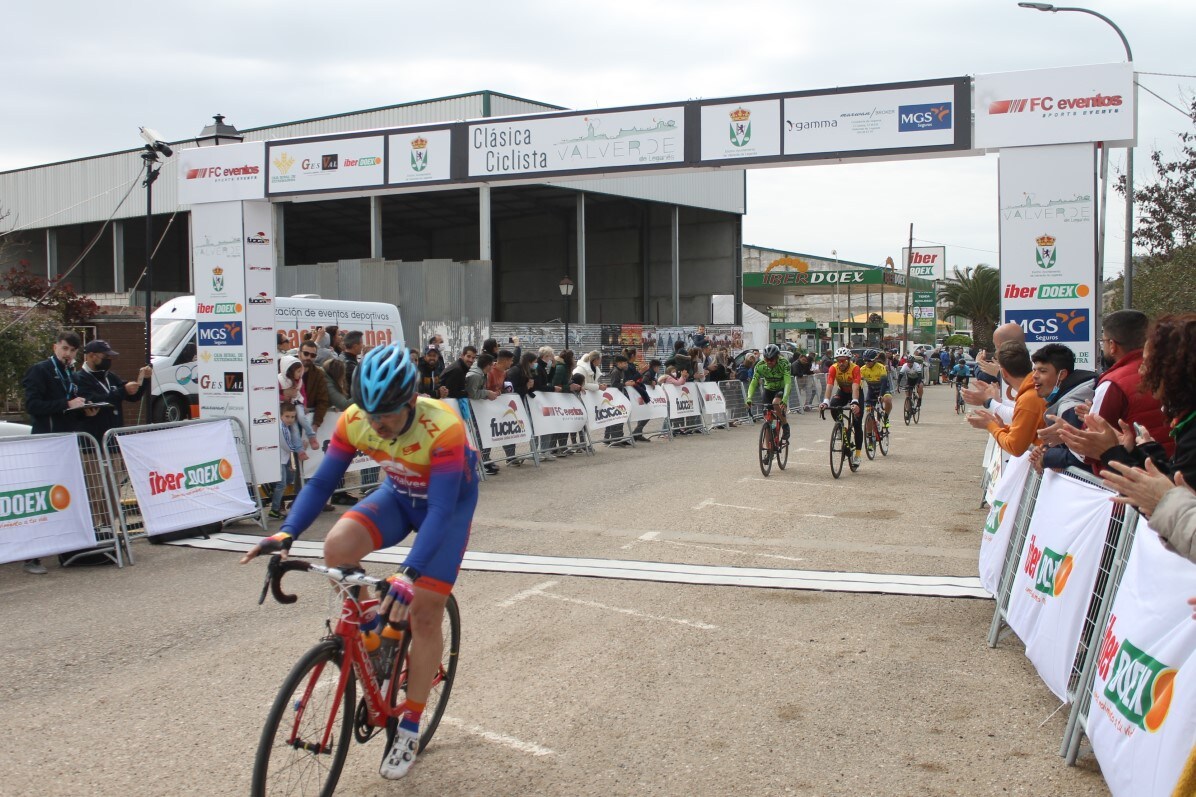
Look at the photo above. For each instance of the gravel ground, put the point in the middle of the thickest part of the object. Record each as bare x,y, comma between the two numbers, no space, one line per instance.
155,679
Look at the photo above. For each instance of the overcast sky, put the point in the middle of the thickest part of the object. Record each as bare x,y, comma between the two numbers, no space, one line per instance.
80,77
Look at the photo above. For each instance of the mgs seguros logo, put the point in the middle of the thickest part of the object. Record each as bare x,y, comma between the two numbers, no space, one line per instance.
928,116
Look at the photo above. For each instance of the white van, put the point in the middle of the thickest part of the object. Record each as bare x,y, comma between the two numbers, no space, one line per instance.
175,391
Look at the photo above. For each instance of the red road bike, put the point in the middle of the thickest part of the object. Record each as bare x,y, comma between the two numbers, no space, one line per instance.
306,737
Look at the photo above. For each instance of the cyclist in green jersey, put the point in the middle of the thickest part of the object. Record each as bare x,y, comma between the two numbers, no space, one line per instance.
777,381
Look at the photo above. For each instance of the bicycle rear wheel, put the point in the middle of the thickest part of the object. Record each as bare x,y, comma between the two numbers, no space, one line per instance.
882,435
442,683
782,455
909,408
917,414
870,435
766,442
306,737
837,452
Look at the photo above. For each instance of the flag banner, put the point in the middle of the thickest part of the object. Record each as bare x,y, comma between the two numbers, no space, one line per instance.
998,527
557,413
1057,573
712,398
682,400
186,476
605,408
502,421
655,407
43,498
1142,720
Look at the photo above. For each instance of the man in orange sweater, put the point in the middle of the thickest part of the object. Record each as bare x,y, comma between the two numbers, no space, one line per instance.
1028,411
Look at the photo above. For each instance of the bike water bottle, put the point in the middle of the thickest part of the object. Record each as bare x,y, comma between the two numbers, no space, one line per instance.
370,619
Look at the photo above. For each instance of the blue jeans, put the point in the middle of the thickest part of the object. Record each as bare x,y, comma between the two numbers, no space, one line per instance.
288,477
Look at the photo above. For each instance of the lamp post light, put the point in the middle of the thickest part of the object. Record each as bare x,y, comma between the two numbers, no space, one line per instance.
566,287
1128,273
154,146
218,133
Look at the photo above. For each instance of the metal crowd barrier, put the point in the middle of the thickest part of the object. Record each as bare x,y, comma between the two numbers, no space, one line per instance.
128,512
735,394
619,434
1013,556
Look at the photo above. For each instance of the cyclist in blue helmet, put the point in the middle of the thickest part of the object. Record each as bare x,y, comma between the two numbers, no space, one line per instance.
431,488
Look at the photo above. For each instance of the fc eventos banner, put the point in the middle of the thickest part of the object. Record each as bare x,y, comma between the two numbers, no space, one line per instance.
557,413
43,503
186,476
655,407
1142,720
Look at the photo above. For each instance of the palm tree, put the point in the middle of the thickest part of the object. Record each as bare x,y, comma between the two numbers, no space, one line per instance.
975,294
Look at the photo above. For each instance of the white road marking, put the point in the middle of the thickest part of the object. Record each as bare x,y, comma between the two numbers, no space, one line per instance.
527,593
706,502
646,537
630,612
786,483
530,748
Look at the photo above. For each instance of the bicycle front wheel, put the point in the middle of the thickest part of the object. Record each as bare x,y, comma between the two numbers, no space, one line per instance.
306,737
909,409
882,434
837,451
782,455
917,413
766,443
870,436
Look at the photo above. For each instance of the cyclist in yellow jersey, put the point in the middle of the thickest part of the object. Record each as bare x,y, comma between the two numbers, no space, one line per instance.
875,373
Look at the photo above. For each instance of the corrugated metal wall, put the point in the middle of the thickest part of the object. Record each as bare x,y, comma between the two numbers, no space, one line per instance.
724,189
444,297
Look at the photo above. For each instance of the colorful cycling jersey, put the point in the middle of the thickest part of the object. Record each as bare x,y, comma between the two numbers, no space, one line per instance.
774,378
850,375
430,472
873,373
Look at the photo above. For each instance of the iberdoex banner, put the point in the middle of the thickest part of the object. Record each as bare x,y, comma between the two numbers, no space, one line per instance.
1142,719
998,527
502,421
186,476
43,503
1057,573
557,413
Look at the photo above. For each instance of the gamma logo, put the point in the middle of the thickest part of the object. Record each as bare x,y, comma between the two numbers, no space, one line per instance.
33,502
935,116
1140,688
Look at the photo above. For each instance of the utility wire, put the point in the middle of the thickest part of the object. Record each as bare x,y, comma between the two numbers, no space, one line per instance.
154,254
1164,101
956,246
1166,74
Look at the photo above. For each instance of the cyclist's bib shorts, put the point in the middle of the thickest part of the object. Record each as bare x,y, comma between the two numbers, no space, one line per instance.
769,395
877,391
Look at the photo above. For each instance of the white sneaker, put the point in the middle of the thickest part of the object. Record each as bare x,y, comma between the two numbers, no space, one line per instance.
855,458
401,755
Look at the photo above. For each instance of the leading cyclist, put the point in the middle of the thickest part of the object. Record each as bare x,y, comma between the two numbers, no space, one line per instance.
778,380
875,374
843,379
430,488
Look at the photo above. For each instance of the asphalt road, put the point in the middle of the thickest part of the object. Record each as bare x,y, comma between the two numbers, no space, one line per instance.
156,679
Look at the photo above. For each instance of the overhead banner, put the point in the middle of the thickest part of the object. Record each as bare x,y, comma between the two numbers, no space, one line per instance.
1056,106
891,119
655,407
927,262
778,278
222,174
683,401
502,421
1048,246
1057,572
420,157
580,141
327,164
998,526
1142,719
605,408
44,507
712,398
557,413
186,476
741,130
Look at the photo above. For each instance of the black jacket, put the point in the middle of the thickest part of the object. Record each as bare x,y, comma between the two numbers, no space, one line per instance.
104,386
1184,459
453,378
48,388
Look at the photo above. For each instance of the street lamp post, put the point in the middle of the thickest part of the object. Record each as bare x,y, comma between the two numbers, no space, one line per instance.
154,146
1128,273
566,287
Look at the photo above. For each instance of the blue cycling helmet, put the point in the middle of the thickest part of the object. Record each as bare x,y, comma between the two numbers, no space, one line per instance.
385,380
870,355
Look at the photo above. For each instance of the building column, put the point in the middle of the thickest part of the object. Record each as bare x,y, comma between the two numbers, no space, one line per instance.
118,257
485,236
581,258
376,227
675,286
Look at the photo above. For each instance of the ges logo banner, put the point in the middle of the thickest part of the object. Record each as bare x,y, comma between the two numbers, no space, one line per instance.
1051,326
220,333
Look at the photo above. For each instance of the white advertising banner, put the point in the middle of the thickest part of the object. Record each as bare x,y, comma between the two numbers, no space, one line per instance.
712,398
419,157
218,278
998,526
741,130
186,476
654,408
994,461
321,165
605,408
870,120
1142,719
324,437
502,421
222,174
260,384
557,413
682,400
928,262
1057,573
43,502
1048,245
1056,106
648,137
